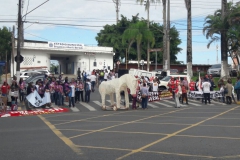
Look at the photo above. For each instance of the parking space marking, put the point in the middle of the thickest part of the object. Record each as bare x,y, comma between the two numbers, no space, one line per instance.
174,134
79,120
210,137
125,123
75,109
59,134
152,105
166,105
88,106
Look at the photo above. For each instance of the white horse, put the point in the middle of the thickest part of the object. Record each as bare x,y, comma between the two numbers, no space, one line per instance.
116,86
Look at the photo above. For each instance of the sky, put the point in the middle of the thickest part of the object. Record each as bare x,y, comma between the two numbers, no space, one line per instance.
93,14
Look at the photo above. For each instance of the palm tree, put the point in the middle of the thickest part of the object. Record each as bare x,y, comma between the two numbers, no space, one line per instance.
139,33
216,27
189,38
147,7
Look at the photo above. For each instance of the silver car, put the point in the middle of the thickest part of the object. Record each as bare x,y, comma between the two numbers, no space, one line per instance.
216,70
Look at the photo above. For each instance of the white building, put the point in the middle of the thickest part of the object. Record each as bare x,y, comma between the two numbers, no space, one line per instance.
70,56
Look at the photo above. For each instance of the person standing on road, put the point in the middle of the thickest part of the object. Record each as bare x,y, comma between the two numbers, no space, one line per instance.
87,91
178,94
184,94
77,93
237,88
22,89
192,85
228,93
71,93
106,75
206,90
93,80
5,89
172,87
144,94
212,82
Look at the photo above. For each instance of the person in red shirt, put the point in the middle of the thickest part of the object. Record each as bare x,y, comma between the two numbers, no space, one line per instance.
184,93
172,86
192,85
5,88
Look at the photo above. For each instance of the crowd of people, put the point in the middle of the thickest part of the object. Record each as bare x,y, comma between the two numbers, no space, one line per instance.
56,89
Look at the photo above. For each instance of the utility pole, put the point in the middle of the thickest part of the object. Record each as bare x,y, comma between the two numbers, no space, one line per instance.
19,38
164,35
189,38
13,49
148,54
168,38
117,5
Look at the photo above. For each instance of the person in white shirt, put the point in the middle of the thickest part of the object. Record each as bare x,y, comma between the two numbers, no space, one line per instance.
93,81
71,95
155,86
206,90
106,76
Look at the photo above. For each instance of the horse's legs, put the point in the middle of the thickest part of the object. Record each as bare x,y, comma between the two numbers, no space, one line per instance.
126,98
118,98
103,100
112,98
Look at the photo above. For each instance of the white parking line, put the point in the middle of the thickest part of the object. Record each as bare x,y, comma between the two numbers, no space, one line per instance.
98,103
88,106
75,109
163,104
151,105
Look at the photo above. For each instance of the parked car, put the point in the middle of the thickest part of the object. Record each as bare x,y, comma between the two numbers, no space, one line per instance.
25,74
185,71
215,70
34,78
173,71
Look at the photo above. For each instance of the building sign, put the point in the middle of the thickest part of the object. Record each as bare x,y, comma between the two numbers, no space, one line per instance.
65,45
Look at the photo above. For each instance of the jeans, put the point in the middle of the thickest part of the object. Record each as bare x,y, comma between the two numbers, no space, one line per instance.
223,97
207,97
93,84
58,98
52,97
144,102
21,95
71,101
238,94
228,100
87,96
77,96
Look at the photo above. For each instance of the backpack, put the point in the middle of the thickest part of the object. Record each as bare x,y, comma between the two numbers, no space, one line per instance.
101,74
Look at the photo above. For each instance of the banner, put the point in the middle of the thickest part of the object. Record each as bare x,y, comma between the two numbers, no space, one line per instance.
199,94
65,45
156,96
35,99
36,112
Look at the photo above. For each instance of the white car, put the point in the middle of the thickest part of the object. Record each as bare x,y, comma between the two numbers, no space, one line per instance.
164,82
42,71
185,71
25,74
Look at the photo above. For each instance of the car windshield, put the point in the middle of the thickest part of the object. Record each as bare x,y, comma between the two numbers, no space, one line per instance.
167,78
216,66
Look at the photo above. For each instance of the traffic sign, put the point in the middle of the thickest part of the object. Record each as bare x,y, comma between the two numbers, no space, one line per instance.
21,58
155,49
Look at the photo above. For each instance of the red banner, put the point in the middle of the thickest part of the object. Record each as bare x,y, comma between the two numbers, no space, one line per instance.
35,112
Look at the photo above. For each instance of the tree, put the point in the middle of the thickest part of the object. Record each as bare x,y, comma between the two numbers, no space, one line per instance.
139,33
5,43
189,38
111,36
216,27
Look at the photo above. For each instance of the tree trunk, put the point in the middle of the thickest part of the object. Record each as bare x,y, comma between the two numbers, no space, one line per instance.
224,54
189,39
165,34
138,54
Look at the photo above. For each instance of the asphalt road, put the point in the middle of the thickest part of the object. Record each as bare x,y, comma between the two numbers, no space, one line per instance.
188,133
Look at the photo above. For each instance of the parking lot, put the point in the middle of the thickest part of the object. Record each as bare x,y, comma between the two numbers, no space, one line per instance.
206,132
